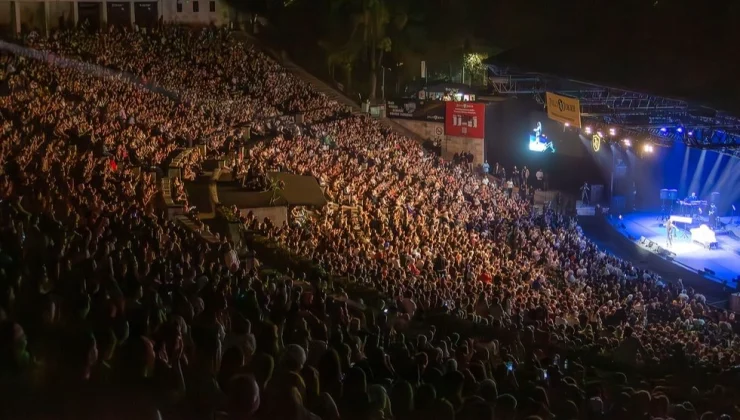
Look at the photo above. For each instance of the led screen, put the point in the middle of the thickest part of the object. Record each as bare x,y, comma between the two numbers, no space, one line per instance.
538,141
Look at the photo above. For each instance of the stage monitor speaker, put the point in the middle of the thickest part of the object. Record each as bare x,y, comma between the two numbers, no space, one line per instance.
714,197
661,251
673,194
597,193
664,194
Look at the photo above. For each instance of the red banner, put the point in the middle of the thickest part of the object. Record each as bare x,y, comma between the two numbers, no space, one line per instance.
465,119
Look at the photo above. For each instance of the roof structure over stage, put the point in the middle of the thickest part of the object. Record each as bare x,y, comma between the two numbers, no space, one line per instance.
649,93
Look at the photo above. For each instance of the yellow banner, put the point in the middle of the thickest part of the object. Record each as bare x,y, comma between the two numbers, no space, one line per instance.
564,109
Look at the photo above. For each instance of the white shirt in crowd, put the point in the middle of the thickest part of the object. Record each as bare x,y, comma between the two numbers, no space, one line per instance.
232,260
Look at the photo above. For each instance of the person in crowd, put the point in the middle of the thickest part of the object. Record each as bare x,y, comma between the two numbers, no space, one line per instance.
540,177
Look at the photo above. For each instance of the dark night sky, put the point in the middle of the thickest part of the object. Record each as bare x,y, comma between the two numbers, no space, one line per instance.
678,48
675,48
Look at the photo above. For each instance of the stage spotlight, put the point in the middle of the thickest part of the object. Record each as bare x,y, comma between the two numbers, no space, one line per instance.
627,142
679,129
648,148
567,124
600,134
663,130
588,130
691,133
612,131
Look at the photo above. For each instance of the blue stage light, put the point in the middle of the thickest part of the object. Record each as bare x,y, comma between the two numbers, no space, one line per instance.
679,129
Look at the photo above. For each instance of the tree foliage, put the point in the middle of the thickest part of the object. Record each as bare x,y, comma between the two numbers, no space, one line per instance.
395,35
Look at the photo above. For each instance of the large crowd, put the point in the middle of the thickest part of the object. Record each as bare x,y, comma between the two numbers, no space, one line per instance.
110,310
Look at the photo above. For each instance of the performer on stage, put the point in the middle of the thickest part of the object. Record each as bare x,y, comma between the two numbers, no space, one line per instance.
691,209
713,220
670,229
584,193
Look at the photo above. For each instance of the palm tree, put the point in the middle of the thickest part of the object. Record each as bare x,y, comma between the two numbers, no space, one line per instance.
368,37
343,57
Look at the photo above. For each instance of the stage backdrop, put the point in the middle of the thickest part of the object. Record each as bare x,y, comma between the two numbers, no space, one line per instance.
689,170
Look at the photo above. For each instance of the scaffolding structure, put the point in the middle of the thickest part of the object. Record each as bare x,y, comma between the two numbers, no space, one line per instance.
662,120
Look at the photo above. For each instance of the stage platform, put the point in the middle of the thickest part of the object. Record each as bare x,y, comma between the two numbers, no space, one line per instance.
724,262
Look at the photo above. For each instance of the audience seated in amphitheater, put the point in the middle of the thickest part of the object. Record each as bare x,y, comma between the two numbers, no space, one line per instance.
110,310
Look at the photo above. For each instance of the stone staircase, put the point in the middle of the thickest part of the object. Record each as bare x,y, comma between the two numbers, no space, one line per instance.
189,224
355,218
167,192
173,209
353,213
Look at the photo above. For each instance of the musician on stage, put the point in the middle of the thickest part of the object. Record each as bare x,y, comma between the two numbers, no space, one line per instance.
713,220
688,201
670,232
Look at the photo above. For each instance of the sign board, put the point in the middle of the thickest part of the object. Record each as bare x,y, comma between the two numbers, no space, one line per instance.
564,109
439,133
465,119
413,109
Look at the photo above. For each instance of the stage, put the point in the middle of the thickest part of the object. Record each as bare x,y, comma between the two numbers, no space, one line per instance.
724,261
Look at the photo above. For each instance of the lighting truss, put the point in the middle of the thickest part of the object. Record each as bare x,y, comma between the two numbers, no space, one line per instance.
597,102
661,120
